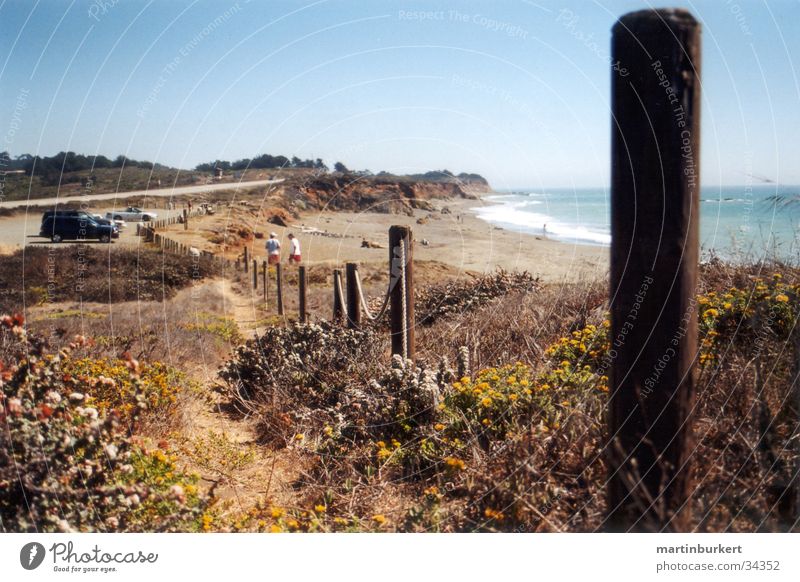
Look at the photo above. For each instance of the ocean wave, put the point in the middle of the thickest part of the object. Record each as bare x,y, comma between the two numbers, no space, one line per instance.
510,216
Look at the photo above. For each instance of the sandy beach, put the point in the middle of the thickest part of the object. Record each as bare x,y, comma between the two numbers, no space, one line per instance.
458,238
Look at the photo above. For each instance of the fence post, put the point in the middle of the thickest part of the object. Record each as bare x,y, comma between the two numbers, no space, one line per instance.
353,300
185,219
279,288
264,281
401,289
302,287
246,260
255,274
338,296
654,256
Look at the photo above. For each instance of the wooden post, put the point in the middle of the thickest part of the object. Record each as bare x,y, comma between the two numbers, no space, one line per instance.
302,285
246,260
185,219
279,288
353,300
655,186
338,296
264,280
255,274
401,285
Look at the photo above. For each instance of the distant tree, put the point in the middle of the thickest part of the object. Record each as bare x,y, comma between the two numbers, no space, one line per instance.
320,165
340,167
118,162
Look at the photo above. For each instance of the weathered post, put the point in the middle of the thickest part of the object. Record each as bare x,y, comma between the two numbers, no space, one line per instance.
246,260
264,280
255,274
185,219
279,288
338,296
302,285
353,299
654,255
401,289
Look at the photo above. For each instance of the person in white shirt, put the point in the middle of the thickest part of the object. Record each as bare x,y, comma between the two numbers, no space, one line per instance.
273,247
294,249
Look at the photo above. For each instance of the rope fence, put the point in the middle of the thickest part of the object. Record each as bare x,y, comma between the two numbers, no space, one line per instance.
350,303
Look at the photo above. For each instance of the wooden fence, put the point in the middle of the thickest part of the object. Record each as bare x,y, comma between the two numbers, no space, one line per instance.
355,310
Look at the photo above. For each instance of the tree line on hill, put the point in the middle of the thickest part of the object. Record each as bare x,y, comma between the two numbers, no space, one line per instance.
264,161
52,168
69,162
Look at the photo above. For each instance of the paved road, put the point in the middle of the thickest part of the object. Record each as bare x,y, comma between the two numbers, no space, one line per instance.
161,192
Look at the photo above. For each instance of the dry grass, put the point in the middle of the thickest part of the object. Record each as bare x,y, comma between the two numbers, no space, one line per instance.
39,275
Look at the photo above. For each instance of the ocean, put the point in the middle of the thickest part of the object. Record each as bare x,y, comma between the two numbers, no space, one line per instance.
737,223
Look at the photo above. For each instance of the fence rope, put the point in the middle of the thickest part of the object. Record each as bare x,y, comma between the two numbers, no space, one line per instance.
365,307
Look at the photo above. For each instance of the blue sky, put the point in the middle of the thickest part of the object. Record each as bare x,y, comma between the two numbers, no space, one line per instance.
515,90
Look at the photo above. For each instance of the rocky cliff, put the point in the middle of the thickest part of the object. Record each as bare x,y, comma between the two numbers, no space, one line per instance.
390,194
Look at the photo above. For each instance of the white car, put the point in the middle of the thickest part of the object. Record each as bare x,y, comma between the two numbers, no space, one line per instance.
120,223
133,214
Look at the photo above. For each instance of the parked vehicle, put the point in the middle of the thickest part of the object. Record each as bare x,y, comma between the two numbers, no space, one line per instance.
59,227
120,224
133,214
82,213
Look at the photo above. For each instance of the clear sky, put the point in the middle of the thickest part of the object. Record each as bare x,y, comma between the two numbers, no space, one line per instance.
515,90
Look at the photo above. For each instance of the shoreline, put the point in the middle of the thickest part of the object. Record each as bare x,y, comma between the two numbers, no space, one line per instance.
450,233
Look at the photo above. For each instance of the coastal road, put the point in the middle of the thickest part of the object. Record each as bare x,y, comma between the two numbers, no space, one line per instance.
160,192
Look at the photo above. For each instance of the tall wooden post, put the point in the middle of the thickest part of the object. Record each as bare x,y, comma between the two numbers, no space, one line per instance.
279,288
246,260
302,285
401,289
655,186
338,296
353,299
264,280
185,219
255,274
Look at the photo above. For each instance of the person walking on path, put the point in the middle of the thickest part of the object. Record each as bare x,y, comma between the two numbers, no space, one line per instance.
273,247
294,249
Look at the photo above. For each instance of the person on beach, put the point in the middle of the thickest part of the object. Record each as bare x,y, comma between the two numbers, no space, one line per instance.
273,247
294,249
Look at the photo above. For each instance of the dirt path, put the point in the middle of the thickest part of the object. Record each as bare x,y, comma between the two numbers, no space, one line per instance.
222,445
